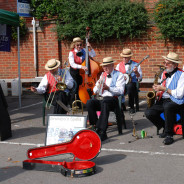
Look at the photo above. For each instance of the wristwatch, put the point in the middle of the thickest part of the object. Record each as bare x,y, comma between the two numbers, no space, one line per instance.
166,90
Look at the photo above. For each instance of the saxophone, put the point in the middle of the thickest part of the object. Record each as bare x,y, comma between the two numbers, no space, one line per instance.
151,95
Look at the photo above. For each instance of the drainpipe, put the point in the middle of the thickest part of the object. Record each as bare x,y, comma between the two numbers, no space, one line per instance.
34,44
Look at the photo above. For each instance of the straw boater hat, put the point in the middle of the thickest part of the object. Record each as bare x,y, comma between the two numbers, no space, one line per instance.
172,56
107,61
75,40
52,64
126,53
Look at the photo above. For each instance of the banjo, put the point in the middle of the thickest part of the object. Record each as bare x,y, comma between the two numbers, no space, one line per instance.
128,75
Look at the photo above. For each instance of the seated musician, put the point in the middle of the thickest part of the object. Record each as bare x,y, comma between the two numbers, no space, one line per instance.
48,85
112,87
171,95
76,58
126,66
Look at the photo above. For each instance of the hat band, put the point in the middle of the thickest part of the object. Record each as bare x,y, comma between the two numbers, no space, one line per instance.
52,66
172,59
127,54
108,62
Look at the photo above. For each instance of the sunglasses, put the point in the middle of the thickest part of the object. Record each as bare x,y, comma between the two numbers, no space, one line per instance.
79,45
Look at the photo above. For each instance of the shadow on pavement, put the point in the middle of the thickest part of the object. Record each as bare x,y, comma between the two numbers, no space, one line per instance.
108,159
9,172
24,132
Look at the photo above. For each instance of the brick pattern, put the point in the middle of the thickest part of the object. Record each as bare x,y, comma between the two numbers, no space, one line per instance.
49,47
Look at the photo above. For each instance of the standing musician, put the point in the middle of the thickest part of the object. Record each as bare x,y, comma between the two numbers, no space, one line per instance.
76,58
48,85
113,86
126,66
171,95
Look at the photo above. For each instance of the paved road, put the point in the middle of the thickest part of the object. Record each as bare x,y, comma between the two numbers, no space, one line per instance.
141,161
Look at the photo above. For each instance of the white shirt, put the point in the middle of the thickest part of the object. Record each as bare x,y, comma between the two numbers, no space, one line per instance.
71,58
113,91
42,88
179,91
127,69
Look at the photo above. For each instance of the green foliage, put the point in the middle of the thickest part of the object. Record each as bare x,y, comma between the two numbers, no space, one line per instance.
46,8
119,19
22,29
169,17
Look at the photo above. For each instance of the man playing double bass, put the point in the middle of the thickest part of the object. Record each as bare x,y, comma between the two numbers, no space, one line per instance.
76,58
126,66
111,84
171,98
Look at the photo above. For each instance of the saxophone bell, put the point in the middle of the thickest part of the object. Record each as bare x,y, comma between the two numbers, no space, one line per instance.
151,95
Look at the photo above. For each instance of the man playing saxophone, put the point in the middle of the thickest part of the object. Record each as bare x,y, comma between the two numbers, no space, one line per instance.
49,85
113,86
171,97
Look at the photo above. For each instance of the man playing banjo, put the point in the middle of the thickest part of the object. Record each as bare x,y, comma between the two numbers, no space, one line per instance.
127,66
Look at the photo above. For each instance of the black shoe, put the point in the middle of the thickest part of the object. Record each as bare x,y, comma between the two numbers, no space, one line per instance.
168,140
103,136
162,135
137,109
132,111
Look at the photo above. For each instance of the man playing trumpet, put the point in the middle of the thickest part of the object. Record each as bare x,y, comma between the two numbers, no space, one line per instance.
171,98
113,86
48,85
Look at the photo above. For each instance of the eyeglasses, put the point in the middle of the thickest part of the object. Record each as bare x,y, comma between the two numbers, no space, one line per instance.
167,63
79,45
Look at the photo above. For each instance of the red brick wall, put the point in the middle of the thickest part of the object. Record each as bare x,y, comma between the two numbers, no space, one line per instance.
48,48
9,5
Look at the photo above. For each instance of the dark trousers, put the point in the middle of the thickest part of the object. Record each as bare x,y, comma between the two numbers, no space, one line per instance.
132,93
170,110
105,106
78,79
59,95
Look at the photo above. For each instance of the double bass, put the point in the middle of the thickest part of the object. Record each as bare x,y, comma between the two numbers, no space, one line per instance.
89,76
